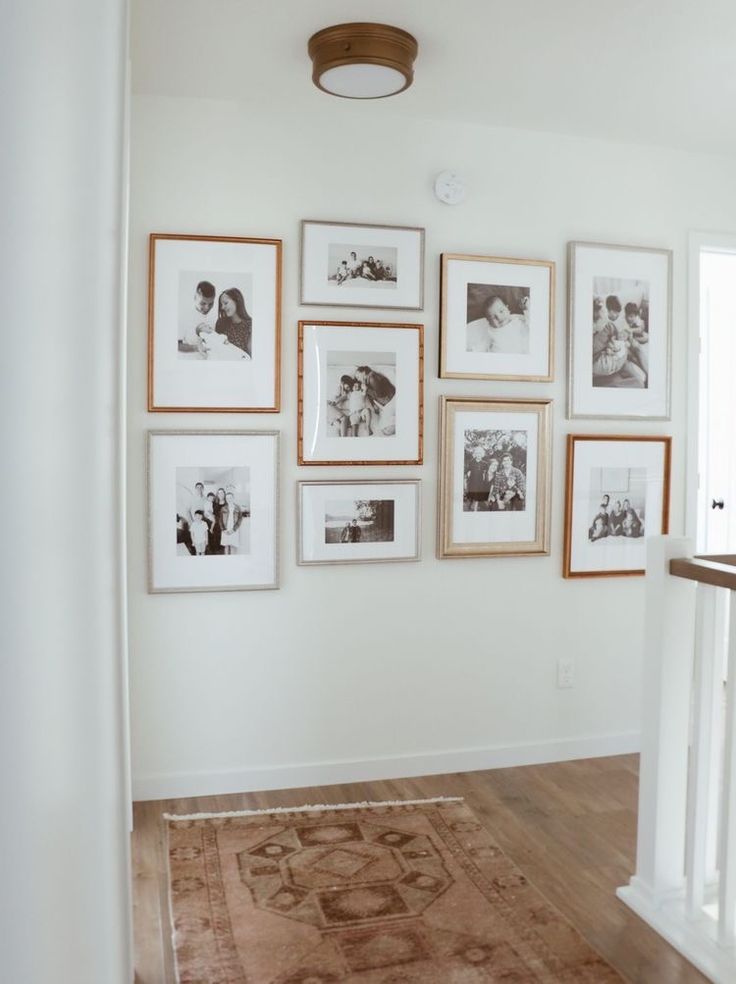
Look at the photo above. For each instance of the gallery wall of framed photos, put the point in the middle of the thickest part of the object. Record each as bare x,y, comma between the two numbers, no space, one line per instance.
360,400
498,255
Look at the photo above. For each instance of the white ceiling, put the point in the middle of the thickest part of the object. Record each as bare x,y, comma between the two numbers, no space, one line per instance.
644,71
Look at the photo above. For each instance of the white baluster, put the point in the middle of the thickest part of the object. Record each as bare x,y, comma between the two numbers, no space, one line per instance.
699,797
727,882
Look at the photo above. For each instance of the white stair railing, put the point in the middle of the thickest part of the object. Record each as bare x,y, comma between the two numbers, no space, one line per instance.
685,881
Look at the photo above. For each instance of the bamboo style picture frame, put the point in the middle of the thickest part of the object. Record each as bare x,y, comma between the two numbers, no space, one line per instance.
360,393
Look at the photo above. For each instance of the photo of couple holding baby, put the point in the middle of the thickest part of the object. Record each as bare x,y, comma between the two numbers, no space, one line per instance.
495,471
214,327
620,333
364,404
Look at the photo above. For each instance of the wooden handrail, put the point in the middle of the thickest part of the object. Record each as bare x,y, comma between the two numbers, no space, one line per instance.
716,569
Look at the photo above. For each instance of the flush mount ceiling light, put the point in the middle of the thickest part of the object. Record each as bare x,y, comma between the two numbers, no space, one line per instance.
362,61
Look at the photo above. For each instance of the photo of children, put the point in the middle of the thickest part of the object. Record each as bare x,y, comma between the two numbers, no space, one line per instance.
362,266
213,319
497,319
495,471
361,389
359,521
212,511
620,333
617,503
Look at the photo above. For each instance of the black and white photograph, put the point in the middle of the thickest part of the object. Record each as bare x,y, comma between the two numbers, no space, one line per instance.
495,470
362,388
212,511
362,265
351,265
364,382
617,504
617,492
359,521
214,324
494,482
496,318
620,332
214,319
619,344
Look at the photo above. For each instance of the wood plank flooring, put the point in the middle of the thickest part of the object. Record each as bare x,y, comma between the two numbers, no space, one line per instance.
569,826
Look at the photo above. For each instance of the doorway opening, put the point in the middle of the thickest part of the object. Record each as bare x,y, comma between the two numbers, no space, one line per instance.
712,482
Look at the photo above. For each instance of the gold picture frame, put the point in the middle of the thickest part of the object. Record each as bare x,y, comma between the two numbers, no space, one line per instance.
494,482
232,376
602,540
523,292
390,428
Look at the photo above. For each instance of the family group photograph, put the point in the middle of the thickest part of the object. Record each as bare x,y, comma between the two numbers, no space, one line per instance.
620,333
497,319
495,471
359,521
362,266
362,400
618,510
214,322
212,511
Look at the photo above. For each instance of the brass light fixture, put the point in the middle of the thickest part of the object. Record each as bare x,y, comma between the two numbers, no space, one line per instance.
362,61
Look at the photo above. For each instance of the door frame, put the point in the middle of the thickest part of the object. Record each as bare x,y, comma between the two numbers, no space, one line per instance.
695,498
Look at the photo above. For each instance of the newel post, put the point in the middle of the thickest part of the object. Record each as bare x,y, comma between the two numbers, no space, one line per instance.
668,661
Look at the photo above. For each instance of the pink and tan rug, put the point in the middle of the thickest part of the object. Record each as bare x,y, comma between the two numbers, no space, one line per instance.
408,893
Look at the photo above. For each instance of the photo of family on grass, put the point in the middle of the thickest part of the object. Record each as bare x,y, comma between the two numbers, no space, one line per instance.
497,319
359,521
362,266
214,323
620,333
363,394
495,471
212,511
618,513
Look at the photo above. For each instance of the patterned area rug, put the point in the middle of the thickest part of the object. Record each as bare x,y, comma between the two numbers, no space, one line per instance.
410,893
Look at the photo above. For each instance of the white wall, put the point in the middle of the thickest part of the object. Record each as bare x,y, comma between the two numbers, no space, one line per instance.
395,669
64,869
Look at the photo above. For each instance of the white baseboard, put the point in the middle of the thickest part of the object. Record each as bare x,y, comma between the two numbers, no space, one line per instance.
176,785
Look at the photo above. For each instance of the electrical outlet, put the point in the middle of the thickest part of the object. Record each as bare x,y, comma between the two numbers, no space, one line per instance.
565,672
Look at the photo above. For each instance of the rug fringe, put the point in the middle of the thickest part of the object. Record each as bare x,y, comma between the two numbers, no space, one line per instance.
309,807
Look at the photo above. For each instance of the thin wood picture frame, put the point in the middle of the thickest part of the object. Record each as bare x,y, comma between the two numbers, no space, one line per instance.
214,324
619,345
369,521
361,265
497,318
614,498
495,477
197,542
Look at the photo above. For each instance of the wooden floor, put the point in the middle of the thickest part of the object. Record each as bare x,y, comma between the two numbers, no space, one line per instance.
570,827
